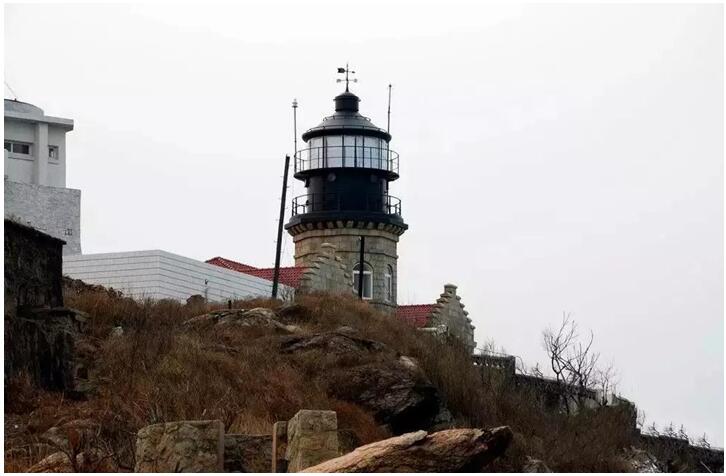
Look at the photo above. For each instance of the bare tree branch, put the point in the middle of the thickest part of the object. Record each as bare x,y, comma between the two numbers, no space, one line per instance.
575,365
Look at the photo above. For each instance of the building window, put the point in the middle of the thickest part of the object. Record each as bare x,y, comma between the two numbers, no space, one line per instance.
20,148
389,283
53,152
367,279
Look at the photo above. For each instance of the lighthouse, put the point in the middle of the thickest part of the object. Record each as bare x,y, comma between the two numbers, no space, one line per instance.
347,166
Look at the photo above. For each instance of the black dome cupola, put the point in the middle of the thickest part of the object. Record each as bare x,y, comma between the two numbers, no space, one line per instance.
346,102
347,166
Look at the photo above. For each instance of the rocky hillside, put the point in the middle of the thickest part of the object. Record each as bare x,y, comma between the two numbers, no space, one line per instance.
262,361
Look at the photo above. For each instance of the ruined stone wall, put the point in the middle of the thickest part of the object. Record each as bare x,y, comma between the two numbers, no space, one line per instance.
33,268
679,455
38,340
326,272
380,253
449,311
312,437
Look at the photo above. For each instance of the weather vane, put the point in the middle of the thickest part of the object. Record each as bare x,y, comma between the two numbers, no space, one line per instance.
346,70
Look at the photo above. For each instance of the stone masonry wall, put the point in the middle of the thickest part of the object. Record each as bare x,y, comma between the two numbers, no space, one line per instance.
312,437
327,272
380,252
449,311
52,210
39,334
33,268
181,447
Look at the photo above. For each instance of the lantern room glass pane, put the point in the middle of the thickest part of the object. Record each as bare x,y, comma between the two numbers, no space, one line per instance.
316,152
346,151
358,157
375,151
349,150
334,151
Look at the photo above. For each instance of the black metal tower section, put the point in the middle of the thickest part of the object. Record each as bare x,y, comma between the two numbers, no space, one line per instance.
347,167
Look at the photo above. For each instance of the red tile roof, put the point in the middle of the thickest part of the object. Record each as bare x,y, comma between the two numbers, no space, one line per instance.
229,264
415,314
289,276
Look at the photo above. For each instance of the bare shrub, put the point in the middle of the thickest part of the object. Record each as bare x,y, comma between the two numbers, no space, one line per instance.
575,364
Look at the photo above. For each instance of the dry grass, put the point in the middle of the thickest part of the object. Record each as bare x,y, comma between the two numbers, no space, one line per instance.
160,370
590,441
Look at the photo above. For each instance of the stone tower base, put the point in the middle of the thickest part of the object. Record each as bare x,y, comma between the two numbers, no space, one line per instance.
380,254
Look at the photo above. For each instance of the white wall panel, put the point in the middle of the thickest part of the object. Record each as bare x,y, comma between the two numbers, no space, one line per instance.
159,274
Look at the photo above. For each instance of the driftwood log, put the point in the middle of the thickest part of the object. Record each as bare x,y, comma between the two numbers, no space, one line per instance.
448,451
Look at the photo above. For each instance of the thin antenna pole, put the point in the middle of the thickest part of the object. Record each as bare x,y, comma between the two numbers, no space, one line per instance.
294,124
15,96
276,275
388,127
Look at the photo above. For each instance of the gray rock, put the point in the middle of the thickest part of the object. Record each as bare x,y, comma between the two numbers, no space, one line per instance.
91,461
258,317
396,396
333,342
409,362
443,420
394,389
181,447
247,453
72,435
347,330
533,465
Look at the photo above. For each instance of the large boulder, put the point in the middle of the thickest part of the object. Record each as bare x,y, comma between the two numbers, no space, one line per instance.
372,375
91,461
181,447
397,397
258,317
448,451
331,342
72,436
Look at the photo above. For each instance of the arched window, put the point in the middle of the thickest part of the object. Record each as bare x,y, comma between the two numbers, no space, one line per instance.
367,279
389,283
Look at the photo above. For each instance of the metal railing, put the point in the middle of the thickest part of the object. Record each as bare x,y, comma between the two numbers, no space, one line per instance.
326,202
346,156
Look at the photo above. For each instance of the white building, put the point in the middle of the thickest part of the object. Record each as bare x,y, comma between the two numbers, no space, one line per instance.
35,174
158,274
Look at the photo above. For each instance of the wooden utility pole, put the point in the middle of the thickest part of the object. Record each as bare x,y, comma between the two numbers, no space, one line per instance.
276,275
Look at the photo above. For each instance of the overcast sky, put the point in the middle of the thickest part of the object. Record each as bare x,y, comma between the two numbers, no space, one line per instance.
553,158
